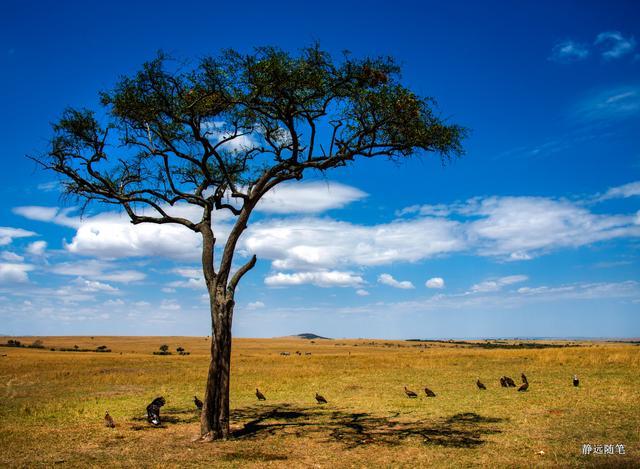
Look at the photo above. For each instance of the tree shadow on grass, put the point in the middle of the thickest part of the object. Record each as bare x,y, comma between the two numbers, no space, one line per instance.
466,430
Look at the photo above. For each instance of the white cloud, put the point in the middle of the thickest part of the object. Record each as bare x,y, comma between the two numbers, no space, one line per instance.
14,272
614,103
116,302
435,282
313,243
569,51
519,228
387,279
614,45
123,276
514,300
170,305
8,234
11,256
194,283
584,291
362,292
626,190
194,278
49,214
113,236
49,186
497,284
308,197
37,248
331,278
256,305
99,270
93,286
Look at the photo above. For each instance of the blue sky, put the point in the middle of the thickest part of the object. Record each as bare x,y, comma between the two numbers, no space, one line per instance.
534,232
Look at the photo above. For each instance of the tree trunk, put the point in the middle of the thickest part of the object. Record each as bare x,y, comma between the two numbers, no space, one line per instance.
214,421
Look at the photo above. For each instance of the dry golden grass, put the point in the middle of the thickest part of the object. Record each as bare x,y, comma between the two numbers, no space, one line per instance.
52,405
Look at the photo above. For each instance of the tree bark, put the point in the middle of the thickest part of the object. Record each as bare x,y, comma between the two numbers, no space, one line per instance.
214,420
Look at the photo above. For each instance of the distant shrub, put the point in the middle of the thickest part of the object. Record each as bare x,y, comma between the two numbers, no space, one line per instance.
164,350
37,344
179,350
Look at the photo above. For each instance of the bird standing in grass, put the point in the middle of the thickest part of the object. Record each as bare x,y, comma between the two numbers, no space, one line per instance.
480,385
108,421
509,382
320,399
197,402
524,387
503,383
576,381
260,396
153,410
409,393
524,378
429,392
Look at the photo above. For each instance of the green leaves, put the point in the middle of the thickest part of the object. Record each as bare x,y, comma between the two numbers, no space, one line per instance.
240,123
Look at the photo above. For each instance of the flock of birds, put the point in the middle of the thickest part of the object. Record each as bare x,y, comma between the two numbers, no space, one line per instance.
153,409
507,382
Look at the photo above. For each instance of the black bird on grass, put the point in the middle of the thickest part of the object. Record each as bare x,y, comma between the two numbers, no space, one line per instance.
509,382
409,393
320,399
197,402
576,381
153,410
480,385
108,421
524,387
503,383
260,396
524,378
429,392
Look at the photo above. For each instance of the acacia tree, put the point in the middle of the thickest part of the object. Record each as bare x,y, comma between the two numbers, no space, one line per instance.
219,135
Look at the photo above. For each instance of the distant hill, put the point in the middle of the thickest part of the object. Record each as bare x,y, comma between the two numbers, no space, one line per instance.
309,336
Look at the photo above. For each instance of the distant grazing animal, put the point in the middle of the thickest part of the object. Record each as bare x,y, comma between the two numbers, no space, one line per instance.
197,402
260,396
576,381
298,352
108,421
320,399
153,410
480,385
409,393
509,382
285,354
524,378
429,392
503,383
524,387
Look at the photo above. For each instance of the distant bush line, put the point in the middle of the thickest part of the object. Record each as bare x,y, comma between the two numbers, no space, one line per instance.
39,345
498,344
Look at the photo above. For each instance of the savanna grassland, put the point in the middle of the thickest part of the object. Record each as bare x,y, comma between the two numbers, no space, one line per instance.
52,404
